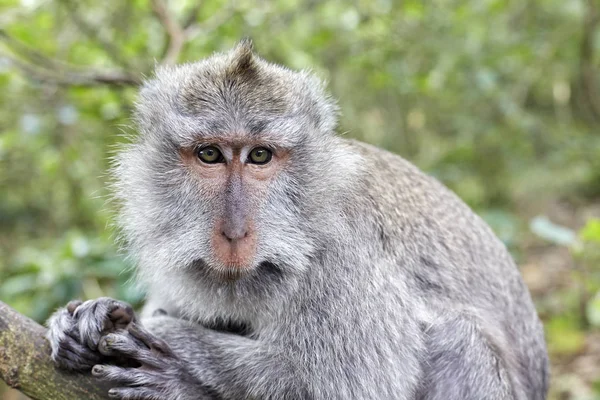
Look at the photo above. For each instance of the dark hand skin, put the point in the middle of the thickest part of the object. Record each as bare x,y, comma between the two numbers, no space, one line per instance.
157,366
105,336
76,330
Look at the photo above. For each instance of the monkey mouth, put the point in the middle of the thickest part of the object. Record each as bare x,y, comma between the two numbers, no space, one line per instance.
236,272
221,271
233,273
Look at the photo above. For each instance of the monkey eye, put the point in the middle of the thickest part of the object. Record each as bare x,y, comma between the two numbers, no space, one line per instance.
260,155
210,155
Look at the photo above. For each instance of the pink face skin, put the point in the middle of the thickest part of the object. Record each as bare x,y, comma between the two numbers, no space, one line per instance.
242,184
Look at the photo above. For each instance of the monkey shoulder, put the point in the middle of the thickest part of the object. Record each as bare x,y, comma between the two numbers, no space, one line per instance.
432,237
408,201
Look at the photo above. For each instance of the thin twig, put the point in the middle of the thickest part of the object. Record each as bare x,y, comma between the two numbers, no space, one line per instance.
192,15
74,78
27,52
587,71
94,33
176,36
214,22
179,34
42,68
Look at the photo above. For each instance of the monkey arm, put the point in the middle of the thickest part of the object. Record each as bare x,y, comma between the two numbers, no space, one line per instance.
199,364
234,366
462,361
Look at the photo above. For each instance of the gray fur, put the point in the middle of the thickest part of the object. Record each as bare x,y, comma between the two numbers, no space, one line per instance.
373,281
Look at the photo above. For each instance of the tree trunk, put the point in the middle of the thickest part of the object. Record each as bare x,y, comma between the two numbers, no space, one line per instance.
25,363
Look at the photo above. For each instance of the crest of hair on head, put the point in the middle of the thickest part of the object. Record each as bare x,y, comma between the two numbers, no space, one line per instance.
243,58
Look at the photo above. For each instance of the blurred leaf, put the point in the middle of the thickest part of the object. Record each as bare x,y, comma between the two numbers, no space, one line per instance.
593,310
591,231
18,284
552,232
563,336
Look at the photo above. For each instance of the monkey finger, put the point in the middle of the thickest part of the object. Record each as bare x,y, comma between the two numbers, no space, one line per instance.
124,376
70,360
73,334
95,317
60,325
80,350
72,306
149,339
121,315
137,393
123,344
91,319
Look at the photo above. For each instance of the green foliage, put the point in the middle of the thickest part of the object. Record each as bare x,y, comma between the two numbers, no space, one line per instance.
564,335
498,99
591,232
589,256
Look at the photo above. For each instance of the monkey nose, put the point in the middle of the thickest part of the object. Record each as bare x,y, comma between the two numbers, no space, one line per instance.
234,241
234,233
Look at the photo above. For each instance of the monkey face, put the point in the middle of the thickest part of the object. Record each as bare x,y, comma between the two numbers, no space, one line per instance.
236,168
235,173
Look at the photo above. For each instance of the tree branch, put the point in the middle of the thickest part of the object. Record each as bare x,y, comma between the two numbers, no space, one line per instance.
25,363
27,52
74,78
216,20
176,35
587,71
179,34
192,15
42,68
94,33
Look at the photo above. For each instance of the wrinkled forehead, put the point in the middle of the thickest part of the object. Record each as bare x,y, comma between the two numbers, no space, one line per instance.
239,130
233,95
247,106
192,107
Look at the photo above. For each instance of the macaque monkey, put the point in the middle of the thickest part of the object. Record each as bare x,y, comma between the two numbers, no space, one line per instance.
282,261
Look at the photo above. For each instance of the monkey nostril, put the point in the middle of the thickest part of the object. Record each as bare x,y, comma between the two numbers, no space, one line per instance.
234,235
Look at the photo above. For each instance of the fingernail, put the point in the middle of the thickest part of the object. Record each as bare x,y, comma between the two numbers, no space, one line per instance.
110,338
97,369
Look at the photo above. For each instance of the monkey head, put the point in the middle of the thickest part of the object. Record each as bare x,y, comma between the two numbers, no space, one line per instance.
234,172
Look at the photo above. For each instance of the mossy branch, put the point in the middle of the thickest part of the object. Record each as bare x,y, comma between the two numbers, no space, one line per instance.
25,363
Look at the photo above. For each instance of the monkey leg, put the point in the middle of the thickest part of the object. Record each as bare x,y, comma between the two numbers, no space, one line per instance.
463,363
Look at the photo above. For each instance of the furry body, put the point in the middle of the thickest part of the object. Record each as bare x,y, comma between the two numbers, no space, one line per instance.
365,278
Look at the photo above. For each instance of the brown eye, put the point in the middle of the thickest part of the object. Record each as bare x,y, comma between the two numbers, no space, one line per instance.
260,155
210,155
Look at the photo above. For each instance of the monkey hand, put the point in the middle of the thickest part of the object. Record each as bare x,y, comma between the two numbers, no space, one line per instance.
75,331
159,372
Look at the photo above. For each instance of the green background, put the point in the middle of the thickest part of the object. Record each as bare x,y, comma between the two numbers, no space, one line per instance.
500,100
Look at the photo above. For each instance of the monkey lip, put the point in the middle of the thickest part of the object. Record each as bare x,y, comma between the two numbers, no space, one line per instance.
231,274
264,268
234,258
237,265
234,272
238,254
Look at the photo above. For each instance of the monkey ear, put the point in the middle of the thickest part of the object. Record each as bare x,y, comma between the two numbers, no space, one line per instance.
243,57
